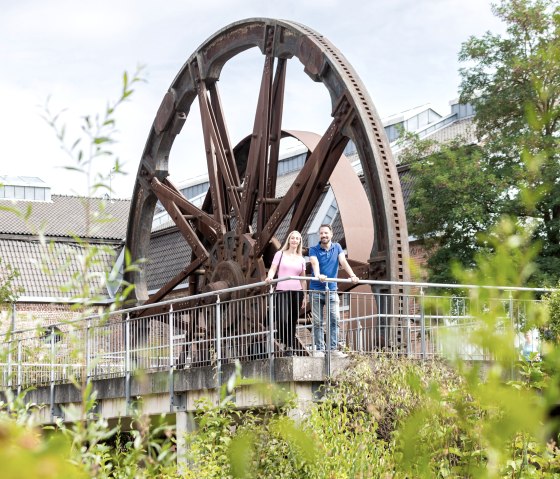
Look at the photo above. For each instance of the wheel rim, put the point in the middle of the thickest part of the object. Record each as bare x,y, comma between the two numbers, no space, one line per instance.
243,190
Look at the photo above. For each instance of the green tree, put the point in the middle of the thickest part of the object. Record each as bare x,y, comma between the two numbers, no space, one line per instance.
455,197
9,291
513,81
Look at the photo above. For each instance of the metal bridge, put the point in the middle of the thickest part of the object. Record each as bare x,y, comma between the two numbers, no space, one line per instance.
120,352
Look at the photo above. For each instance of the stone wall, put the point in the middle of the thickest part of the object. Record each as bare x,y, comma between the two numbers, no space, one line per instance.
34,315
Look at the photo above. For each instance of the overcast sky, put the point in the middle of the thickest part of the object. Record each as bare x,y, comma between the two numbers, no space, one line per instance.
405,51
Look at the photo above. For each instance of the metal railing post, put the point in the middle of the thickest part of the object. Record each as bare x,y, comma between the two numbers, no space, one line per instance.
410,326
511,315
511,319
359,338
127,361
171,360
88,352
19,367
53,377
8,377
218,342
422,324
329,332
271,334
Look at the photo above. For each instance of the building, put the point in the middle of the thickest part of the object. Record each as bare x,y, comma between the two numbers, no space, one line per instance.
46,237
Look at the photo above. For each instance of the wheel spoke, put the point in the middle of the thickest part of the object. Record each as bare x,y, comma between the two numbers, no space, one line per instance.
179,278
222,172
230,173
178,206
274,138
308,185
255,173
226,161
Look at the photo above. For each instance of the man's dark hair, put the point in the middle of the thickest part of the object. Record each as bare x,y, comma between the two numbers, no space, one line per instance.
326,225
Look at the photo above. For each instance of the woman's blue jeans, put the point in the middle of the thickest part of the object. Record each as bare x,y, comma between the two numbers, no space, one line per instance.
318,305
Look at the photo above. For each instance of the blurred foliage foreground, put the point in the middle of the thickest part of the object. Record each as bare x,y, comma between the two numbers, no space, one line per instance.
383,416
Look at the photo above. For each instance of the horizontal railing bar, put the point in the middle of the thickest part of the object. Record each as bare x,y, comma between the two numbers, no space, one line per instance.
421,285
285,278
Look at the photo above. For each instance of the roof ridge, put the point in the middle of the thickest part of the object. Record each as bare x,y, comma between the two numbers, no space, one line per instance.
90,197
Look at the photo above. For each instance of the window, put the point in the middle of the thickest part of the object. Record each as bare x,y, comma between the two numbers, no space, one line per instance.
330,214
195,190
40,194
31,190
293,163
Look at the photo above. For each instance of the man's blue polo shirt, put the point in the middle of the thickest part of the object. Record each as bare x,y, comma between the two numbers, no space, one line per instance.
328,265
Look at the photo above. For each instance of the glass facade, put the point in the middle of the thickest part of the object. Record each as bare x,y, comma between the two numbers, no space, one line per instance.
26,193
293,163
195,190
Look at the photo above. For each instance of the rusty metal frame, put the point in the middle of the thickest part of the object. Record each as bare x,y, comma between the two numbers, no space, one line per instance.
242,190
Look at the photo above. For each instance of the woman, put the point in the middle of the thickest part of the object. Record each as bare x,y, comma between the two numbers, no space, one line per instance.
290,294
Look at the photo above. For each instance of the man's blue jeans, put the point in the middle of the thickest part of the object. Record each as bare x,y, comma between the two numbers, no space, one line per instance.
318,304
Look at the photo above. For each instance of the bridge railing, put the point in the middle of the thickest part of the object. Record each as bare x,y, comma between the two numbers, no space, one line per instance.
250,323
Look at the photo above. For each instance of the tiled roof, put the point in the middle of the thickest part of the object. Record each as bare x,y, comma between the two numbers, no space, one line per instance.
65,216
284,182
407,183
168,254
463,130
46,269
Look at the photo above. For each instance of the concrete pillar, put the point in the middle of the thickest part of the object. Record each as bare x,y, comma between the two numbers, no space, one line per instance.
184,424
305,400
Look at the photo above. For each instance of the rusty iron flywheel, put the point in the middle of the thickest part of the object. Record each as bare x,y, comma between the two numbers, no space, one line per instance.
234,231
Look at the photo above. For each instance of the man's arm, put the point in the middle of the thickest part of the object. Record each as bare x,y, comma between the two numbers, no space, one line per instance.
316,270
344,263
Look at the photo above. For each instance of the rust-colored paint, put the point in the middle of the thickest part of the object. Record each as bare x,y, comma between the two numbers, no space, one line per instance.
242,186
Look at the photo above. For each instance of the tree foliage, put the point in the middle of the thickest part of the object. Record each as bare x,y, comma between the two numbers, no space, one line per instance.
9,291
454,198
460,190
513,81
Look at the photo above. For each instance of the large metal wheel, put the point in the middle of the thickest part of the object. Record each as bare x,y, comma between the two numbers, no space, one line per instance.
233,233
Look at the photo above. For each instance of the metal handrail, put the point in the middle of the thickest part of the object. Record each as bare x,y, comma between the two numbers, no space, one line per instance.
363,326
306,278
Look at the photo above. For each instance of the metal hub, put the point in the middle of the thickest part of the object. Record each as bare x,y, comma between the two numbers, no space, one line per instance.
232,263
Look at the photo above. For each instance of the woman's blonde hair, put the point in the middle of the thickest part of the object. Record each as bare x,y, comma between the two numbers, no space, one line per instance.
286,246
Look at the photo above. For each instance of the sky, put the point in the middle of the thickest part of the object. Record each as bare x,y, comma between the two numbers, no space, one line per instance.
73,54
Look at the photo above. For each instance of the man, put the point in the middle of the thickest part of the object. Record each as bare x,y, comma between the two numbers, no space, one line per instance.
325,258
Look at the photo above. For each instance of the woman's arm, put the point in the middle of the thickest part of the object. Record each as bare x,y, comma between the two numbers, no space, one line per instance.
271,273
274,266
303,286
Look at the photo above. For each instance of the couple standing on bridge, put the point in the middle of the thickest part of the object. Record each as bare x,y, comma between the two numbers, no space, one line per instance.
325,258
